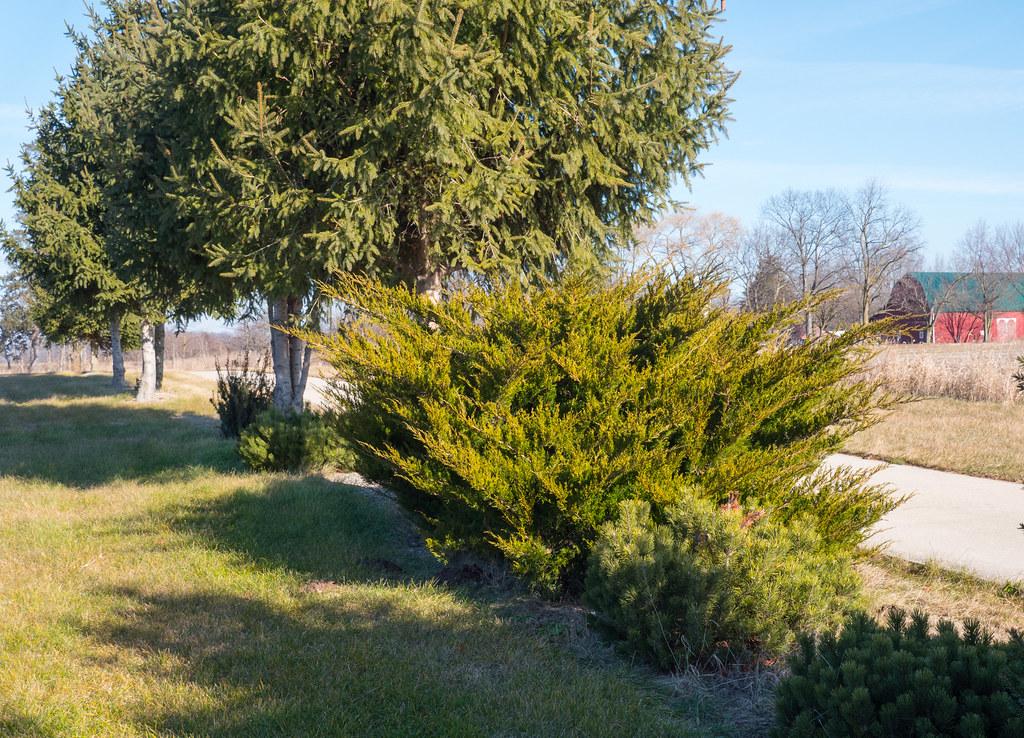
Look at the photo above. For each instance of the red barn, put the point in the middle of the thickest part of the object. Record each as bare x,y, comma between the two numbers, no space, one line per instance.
958,307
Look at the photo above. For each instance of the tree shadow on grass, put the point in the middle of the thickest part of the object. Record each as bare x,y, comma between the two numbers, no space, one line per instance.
16,724
315,528
353,638
31,387
90,441
363,660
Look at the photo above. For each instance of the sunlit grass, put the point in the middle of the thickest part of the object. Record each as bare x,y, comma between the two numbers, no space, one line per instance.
979,438
150,586
943,594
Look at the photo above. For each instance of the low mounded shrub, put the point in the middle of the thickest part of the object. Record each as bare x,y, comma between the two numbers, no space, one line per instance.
712,586
243,392
292,442
903,681
517,419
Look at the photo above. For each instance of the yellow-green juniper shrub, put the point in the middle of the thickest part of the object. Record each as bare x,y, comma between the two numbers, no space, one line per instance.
516,419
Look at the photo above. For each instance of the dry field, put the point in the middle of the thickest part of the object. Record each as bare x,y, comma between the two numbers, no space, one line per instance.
982,439
976,372
942,594
965,414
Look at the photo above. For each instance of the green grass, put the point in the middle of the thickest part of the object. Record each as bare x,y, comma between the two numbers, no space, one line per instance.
149,586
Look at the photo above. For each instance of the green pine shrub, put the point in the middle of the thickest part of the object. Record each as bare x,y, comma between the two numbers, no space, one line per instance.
516,419
712,586
903,681
1018,376
244,390
292,442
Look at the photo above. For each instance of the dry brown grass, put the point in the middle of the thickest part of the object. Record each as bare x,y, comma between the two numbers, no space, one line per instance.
940,593
977,372
978,438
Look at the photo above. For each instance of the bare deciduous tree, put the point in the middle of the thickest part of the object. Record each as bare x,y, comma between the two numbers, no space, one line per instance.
758,270
883,239
1008,242
985,282
687,242
811,228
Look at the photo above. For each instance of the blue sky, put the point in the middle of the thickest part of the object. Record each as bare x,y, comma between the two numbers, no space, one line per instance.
925,95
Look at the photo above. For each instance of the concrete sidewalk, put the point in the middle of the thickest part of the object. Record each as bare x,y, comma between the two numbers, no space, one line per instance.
958,521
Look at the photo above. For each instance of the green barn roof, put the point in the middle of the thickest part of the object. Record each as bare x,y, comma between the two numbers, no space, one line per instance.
967,292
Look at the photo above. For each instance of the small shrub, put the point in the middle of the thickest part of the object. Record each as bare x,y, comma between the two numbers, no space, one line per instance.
902,681
243,392
516,419
1018,376
292,442
711,585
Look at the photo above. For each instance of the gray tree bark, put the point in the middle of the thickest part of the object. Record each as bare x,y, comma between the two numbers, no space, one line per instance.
117,352
147,382
159,345
290,355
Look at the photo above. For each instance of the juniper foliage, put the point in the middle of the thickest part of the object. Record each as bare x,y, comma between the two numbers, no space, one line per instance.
517,419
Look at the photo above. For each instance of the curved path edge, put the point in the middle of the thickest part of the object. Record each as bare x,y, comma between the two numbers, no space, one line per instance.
957,521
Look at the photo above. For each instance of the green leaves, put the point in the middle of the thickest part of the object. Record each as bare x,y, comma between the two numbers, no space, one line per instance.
709,587
904,680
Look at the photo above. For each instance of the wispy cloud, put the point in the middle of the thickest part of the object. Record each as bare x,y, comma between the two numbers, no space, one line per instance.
776,175
997,186
887,88
10,112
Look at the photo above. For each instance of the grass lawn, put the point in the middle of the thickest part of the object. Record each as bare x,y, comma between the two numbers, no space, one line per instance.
149,586
978,438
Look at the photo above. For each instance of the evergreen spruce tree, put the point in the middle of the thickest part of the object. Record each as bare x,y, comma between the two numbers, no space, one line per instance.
412,138
59,247
119,97
95,213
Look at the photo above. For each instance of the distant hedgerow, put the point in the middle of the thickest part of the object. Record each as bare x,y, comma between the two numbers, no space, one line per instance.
517,419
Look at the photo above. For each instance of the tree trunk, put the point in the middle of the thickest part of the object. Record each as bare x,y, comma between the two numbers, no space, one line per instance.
418,269
87,358
159,343
33,353
147,382
117,352
290,355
